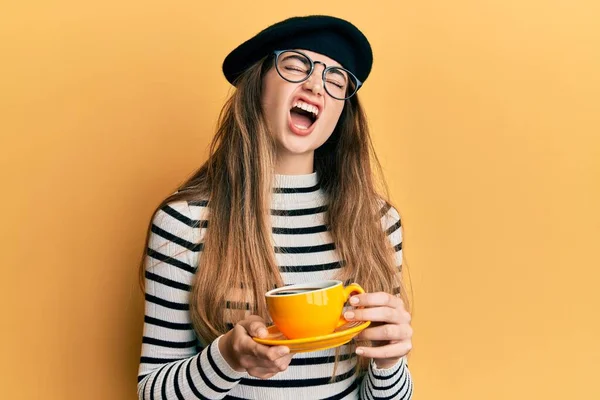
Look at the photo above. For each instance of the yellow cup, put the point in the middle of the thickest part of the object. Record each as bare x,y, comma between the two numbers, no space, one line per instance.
309,309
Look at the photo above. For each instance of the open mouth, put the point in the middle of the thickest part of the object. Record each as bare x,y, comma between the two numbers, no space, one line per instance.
303,115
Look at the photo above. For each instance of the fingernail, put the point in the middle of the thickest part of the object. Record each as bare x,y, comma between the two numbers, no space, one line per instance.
262,332
353,300
283,351
348,315
360,352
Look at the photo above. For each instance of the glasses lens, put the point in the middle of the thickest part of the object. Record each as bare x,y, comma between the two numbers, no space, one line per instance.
339,83
293,66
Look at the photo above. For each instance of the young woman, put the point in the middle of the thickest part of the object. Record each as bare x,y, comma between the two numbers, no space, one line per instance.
287,196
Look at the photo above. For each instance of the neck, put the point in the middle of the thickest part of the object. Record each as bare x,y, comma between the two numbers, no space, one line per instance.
295,164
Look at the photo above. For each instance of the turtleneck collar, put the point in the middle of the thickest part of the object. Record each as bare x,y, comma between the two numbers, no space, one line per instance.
297,191
295,181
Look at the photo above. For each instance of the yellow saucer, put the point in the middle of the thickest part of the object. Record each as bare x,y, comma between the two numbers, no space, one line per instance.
340,336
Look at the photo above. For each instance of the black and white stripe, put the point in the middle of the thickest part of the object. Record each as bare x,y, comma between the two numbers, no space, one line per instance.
174,365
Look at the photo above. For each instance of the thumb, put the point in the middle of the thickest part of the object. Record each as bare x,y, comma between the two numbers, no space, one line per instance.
255,326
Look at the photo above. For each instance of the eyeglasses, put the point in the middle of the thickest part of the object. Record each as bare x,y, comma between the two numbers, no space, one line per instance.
295,66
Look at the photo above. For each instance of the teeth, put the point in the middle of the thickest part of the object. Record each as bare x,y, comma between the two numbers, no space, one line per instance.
307,107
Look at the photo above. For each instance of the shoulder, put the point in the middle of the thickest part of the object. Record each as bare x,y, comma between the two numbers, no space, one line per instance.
388,212
182,218
391,223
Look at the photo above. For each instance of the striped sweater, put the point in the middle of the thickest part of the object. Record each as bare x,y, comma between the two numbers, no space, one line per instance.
175,365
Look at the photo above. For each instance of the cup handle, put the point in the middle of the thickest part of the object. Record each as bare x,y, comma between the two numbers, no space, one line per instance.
353,288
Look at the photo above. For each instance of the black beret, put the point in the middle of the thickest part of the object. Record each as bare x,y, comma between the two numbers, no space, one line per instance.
334,37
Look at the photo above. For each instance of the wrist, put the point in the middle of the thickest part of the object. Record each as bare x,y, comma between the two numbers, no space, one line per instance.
386,363
228,355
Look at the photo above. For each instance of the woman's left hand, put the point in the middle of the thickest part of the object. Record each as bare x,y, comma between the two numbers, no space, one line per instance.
390,329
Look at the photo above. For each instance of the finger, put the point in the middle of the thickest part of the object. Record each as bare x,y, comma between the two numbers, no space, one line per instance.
376,299
277,366
393,350
387,332
273,359
267,354
376,314
275,353
282,363
261,373
255,326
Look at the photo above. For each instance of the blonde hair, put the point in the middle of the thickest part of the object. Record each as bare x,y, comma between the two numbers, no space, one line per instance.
237,182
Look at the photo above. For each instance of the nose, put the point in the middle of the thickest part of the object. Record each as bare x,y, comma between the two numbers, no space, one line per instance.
314,82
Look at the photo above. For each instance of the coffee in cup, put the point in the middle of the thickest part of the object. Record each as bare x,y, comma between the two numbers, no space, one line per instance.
309,309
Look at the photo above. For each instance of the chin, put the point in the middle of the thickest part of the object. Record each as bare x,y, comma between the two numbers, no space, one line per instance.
296,149
297,146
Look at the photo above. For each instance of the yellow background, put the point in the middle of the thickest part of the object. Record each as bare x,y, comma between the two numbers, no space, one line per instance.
486,118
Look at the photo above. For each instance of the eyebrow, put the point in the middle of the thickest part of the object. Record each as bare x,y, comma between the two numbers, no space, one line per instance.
338,71
297,57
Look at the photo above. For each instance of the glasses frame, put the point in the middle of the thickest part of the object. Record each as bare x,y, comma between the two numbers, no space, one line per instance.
312,69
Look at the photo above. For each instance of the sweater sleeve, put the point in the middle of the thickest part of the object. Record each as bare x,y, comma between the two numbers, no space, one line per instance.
173,364
394,383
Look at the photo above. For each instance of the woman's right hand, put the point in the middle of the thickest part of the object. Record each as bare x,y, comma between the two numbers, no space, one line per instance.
242,353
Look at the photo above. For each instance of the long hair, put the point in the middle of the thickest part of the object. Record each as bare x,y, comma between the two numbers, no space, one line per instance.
237,263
